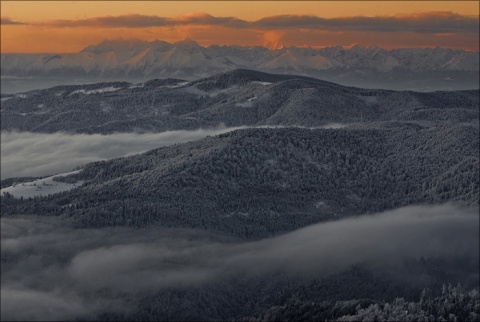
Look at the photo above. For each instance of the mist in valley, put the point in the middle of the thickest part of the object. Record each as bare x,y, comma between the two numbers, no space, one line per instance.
36,154
29,154
51,271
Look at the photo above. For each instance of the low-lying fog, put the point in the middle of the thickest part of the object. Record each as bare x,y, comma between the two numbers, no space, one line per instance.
51,271
37,154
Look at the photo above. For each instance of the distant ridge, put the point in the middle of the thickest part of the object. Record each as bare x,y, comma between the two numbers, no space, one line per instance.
234,98
419,69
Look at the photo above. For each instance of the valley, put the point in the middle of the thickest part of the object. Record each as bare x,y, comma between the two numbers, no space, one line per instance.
260,197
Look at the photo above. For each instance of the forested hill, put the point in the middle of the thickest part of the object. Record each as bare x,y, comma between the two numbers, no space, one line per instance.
239,97
260,182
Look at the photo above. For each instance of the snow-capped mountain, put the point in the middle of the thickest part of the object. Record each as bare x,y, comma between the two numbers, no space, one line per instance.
406,68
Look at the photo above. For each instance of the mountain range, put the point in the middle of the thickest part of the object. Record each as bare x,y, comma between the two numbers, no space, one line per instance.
282,219
421,69
236,98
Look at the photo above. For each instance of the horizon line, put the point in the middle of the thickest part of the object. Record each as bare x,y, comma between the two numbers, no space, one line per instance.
283,47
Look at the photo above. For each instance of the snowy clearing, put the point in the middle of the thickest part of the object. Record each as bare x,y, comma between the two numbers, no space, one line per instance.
96,91
41,187
262,83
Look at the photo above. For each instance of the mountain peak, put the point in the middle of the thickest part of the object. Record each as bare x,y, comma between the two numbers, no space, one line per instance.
360,47
187,42
119,44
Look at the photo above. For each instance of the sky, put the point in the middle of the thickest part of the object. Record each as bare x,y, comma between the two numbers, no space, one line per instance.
69,26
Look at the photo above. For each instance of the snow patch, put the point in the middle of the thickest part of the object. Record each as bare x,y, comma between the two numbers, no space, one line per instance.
178,85
262,83
320,204
96,91
21,95
248,103
3,99
41,187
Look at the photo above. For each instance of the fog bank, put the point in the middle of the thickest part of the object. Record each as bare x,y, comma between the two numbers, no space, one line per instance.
37,154
47,263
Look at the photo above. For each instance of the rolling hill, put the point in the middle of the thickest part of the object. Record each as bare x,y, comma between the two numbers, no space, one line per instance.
261,182
239,97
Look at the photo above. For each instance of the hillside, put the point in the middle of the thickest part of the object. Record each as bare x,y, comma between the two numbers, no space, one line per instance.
260,182
239,97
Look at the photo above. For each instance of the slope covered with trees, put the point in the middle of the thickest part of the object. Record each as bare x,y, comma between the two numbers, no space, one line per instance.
261,182
239,97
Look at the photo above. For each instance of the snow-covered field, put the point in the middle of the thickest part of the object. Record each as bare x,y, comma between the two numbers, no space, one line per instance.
41,187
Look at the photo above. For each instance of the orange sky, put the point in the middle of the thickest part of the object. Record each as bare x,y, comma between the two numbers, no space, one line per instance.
61,26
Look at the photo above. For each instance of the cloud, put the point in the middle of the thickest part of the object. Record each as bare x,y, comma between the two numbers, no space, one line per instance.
48,264
202,18
427,22
34,154
8,21
381,240
144,21
124,21
144,266
417,30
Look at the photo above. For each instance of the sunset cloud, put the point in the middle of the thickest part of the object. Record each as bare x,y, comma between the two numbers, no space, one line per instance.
8,21
424,29
144,21
427,22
